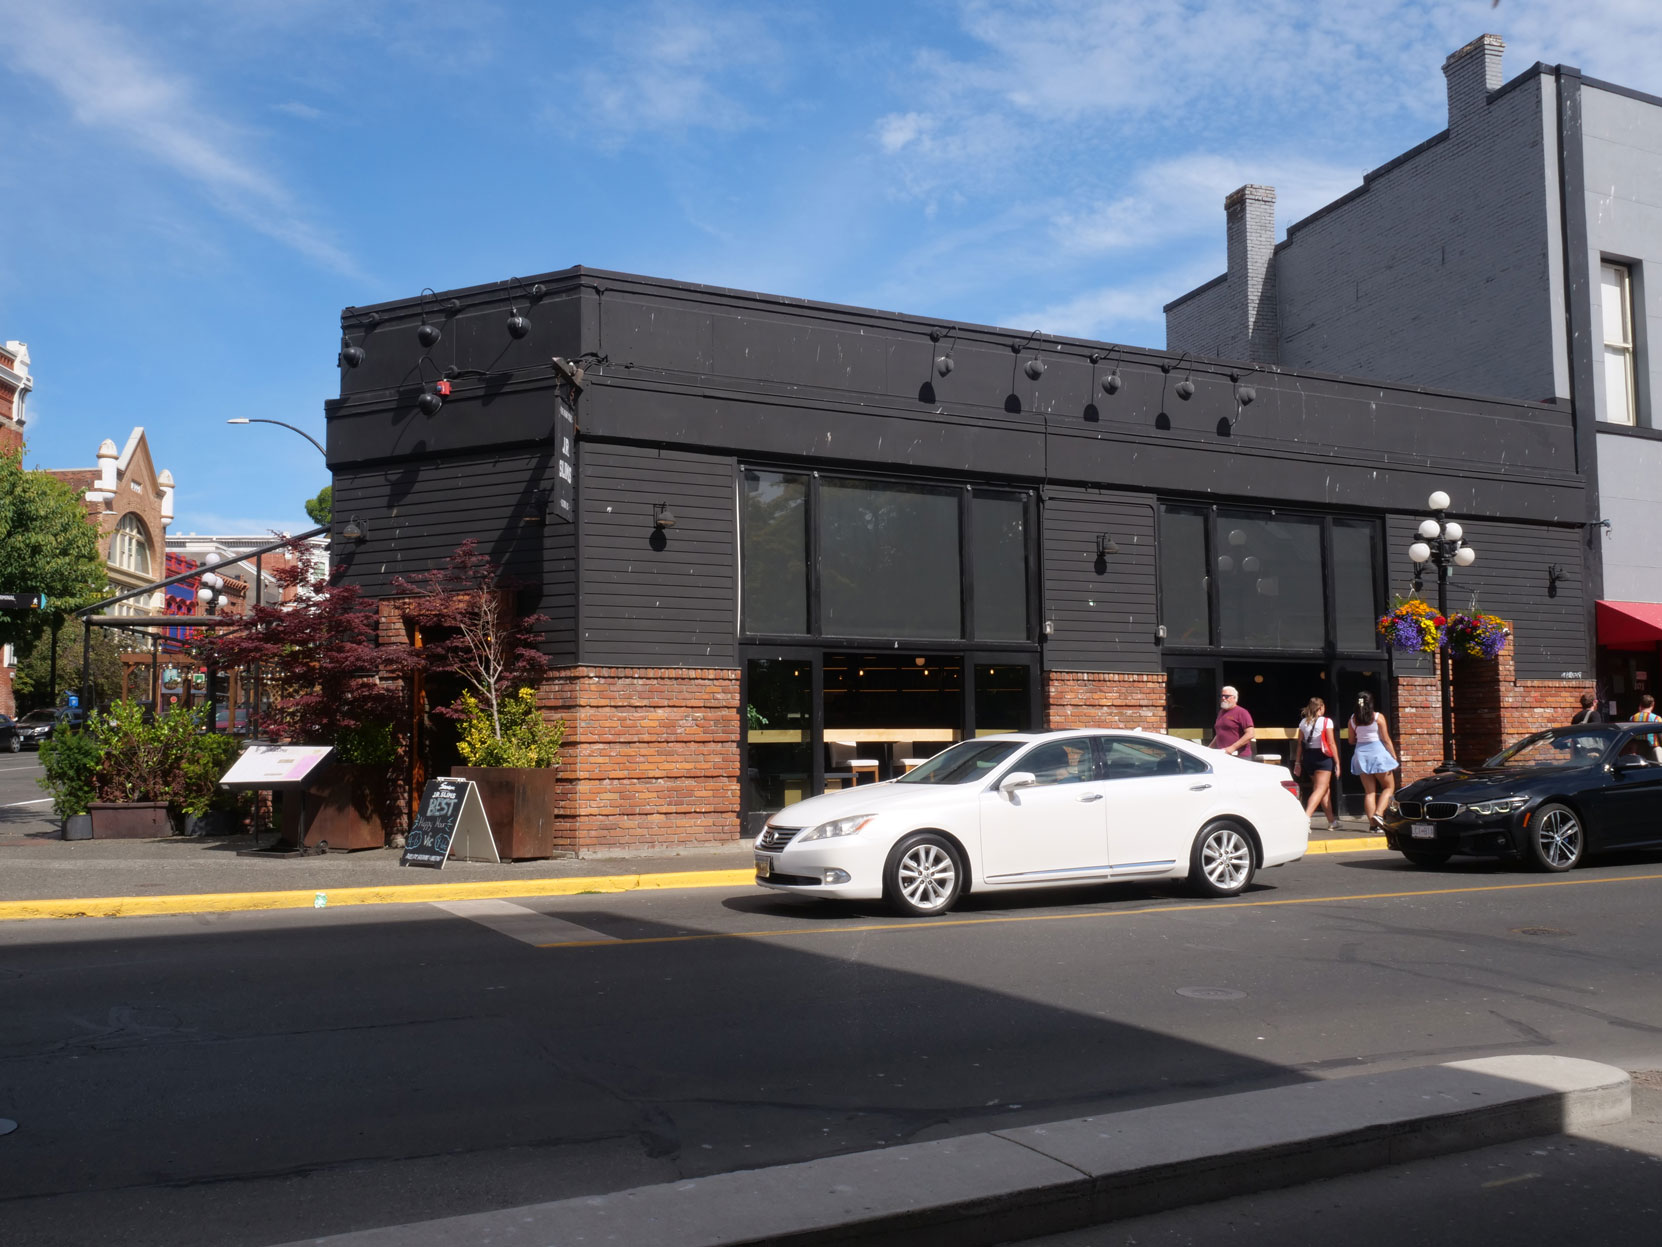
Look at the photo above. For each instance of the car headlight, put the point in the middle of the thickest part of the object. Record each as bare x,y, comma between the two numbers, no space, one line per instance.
836,827
1503,805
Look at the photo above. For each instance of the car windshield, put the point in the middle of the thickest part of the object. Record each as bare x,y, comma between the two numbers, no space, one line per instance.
964,763
1562,746
38,717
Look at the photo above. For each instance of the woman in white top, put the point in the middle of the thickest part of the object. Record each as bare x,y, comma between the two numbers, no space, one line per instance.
1375,760
1317,750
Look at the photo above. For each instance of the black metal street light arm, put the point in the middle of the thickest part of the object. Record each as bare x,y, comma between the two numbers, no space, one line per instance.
282,423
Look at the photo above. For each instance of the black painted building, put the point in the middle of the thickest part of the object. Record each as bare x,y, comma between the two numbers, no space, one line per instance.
783,545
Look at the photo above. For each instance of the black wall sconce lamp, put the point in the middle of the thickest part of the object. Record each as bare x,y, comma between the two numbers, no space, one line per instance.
428,334
1106,545
350,356
1034,368
662,516
519,326
1555,573
354,530
432,397
943,362
1111,383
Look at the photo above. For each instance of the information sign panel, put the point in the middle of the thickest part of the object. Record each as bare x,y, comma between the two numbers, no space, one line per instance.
274,766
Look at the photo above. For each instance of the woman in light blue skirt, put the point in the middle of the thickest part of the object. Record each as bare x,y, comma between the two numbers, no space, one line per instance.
1375,761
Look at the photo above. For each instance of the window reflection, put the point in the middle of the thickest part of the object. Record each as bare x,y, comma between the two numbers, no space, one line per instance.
1269,573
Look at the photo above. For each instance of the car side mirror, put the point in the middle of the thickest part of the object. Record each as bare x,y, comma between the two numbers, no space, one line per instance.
1017,779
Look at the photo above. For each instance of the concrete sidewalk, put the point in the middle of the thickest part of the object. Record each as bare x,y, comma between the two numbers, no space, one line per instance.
44,876
991,1188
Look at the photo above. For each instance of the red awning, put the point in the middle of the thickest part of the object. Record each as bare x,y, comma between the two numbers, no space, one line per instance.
1629,623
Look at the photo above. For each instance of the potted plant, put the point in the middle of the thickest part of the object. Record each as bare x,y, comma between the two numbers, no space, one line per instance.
1477,636
1412,626
205,809
70,760
335,681
470,631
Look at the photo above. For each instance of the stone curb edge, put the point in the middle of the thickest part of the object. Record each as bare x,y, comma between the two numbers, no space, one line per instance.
984,1189
422,893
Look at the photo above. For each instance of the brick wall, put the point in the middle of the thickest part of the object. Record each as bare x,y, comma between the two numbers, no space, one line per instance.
1105,699
1492,708
651,756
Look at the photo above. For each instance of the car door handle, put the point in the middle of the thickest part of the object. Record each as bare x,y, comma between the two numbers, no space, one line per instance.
1091,796
1199,787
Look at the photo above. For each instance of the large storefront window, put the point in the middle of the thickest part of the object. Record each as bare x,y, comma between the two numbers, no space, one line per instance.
889,562
844,557
1274,582
1269,578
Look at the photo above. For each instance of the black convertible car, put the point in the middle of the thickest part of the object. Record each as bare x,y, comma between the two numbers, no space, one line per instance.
1550,799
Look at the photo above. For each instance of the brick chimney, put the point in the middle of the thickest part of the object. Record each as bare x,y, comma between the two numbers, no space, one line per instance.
1472,73
1249,216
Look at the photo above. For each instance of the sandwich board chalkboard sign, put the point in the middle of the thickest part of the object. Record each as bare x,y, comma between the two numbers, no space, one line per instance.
451,823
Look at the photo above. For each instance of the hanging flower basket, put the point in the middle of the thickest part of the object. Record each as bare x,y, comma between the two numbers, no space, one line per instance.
1476,636
1412,626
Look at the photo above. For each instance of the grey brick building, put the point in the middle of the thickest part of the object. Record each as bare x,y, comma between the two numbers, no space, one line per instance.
1510,254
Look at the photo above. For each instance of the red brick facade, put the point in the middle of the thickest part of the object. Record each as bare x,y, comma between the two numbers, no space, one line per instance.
1105,699
1492,708
651,755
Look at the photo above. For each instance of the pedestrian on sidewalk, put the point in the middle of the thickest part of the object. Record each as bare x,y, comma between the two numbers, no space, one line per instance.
1375,760
1647,710
1315,758
1589,712
1233,731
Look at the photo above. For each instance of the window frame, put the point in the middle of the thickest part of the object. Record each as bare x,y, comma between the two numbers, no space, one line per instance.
1627,346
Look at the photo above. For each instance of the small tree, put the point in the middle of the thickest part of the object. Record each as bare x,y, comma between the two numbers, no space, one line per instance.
335,681
473,633
322,507
33,681
47,545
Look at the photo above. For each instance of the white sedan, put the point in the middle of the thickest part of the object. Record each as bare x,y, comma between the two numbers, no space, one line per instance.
1039,810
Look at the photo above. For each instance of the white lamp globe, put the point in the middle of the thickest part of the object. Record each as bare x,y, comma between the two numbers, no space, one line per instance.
1225,563
1237,537
1419,552
212,580
1429,529
1452,531
204,596
1438,501
1465,556
1250,563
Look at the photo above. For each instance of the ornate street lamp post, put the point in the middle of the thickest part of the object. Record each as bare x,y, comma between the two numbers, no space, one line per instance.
1442,544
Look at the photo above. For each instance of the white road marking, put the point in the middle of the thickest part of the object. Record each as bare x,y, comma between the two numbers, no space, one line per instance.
36,801
522,924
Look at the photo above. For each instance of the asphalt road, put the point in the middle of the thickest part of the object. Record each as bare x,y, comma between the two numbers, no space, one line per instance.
257,1078
23,802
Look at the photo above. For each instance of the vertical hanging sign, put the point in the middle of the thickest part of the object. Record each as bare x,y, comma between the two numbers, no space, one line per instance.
565,442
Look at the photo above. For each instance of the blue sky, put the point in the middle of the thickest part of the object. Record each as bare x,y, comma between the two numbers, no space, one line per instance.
191,192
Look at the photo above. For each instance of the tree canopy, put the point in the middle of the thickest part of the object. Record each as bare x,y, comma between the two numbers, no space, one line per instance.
47,545
322,507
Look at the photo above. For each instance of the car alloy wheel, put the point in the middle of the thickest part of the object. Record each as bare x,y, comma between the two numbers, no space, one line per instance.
923,876
1221,863
1556,841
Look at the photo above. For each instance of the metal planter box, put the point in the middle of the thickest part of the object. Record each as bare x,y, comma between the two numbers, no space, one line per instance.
129,820
520,803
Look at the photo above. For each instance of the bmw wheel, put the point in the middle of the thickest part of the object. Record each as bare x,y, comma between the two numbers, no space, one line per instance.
1221,862
924,875
1556,838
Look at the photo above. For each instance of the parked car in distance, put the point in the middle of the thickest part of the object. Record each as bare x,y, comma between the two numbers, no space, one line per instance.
11,735
38,725
1036,810
1548,800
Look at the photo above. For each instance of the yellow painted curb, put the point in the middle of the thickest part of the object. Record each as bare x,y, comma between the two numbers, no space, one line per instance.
1349,844
425,893
392,894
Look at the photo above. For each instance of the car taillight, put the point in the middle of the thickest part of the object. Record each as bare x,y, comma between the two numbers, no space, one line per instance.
1291,785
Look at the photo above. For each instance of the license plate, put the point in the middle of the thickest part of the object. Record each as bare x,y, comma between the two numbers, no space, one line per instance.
764,867
1423,831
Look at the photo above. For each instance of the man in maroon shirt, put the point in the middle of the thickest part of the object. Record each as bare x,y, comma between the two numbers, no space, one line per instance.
1233,732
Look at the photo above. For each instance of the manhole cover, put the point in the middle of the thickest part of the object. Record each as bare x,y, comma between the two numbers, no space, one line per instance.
7,1125
1539,931
1211,993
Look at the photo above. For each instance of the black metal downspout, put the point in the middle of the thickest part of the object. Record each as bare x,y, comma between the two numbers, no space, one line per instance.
1578,326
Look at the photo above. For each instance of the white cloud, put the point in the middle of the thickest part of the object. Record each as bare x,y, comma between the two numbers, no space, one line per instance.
294,108
1121,313
898,129
110,86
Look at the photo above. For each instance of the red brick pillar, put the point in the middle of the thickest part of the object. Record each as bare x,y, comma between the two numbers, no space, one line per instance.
1105,699
1418,725
651,756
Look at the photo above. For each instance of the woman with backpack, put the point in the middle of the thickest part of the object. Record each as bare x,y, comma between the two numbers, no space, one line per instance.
1316,758
1375,760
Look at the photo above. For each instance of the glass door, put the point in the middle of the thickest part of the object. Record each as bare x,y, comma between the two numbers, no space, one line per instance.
778,758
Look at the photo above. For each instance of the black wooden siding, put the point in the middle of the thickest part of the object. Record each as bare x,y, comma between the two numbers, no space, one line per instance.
650,598
1509,579
1104,614
416,515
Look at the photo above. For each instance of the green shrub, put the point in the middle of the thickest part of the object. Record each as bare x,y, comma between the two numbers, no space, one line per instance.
369,744
70,759
525,739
